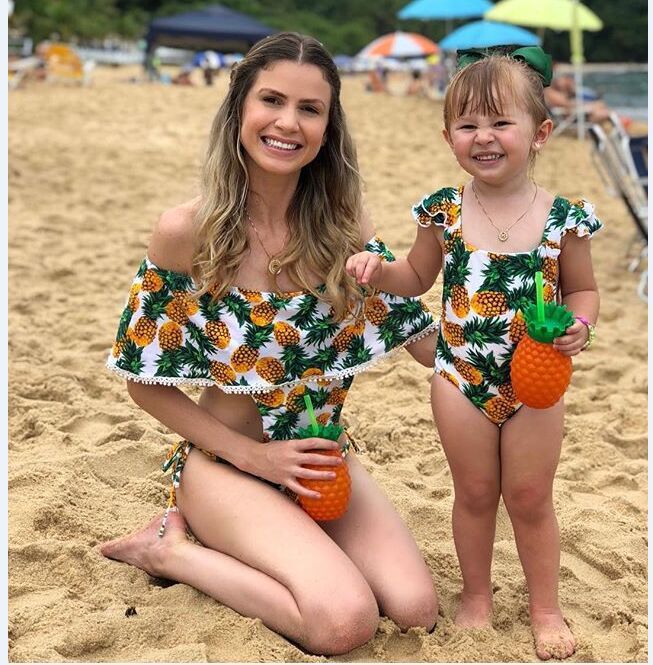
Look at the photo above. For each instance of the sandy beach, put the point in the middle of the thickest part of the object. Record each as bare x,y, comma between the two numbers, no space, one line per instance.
90,170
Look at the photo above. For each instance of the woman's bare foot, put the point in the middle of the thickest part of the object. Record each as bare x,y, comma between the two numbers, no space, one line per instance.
553,638
474,611
144,549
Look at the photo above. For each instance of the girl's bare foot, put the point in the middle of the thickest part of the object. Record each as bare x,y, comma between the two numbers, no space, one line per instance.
553,638
474,611
144,549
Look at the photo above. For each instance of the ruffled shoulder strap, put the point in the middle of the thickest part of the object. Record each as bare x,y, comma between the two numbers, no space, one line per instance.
441,208
574,216
377,246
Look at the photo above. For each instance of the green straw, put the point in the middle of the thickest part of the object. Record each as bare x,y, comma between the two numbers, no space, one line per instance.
311,414
539,293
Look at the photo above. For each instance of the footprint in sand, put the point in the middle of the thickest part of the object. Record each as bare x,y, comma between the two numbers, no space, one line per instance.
100,426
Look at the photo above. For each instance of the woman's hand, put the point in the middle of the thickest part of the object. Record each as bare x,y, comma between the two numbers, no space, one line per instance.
572,342
282,462
365,267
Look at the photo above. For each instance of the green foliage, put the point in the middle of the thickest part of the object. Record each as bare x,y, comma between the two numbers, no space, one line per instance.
343,27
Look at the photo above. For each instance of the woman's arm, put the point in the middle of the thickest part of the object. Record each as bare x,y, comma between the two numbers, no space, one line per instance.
579,292
174,409
171,247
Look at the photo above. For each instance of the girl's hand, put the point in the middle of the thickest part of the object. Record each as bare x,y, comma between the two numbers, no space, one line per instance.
572,342
282,462
366,267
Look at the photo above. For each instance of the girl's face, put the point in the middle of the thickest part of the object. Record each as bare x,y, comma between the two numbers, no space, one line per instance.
497,148
285,117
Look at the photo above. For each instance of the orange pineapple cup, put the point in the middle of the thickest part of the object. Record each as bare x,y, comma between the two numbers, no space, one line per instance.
540,374
336,492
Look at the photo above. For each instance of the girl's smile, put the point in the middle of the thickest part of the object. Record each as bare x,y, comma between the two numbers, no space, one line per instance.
494,147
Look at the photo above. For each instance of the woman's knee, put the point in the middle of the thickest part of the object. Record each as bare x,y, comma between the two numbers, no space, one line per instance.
339,624
417,608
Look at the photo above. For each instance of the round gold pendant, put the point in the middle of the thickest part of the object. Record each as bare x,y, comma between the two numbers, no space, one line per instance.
503,236
274,267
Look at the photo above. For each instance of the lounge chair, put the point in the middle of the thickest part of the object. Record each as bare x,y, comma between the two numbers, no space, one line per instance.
19,69
633,152
618,166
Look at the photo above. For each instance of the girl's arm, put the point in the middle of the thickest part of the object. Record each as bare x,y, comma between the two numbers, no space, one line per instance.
579,292
407,277
423,350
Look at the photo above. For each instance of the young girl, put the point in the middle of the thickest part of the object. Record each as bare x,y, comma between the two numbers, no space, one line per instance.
244,292
490,237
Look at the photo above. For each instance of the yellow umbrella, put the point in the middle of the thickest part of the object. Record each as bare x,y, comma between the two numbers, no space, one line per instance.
554,14
558,15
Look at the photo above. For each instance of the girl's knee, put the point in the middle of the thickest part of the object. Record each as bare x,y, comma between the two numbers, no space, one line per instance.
528,501
478,495
335,627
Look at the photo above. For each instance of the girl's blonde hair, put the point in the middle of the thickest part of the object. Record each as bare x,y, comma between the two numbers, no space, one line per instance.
324,213
485,86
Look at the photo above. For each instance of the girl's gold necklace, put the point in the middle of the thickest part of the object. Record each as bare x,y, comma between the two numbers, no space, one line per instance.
503,233
274,265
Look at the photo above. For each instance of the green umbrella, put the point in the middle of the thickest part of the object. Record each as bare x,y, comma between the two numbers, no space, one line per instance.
558,15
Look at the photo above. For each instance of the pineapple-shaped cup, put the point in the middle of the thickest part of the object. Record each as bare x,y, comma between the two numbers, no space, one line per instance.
540,374
336,492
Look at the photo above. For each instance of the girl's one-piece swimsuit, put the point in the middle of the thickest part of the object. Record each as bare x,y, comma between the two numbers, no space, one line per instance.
275,347
483,293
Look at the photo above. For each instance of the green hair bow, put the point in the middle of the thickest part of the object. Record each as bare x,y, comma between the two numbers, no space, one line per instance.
533,56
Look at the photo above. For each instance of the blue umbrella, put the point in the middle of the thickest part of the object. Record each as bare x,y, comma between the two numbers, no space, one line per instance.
444,9
487,33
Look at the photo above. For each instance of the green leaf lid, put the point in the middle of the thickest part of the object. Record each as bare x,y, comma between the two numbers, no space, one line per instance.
330,431
546,321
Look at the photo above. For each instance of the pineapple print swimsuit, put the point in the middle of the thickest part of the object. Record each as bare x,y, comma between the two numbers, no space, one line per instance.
275,347
483,292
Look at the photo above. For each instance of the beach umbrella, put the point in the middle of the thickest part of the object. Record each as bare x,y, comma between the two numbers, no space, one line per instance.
557,15
479,34
444,9
554,14
399,45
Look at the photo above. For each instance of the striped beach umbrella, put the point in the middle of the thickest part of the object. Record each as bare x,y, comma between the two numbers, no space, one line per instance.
399,45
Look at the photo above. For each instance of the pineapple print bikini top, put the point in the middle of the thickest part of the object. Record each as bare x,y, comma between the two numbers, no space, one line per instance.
272,346
483,292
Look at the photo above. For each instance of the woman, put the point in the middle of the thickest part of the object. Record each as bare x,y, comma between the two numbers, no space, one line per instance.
244,291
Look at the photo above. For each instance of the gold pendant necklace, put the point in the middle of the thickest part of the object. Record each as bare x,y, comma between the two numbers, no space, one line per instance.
274,265
503,233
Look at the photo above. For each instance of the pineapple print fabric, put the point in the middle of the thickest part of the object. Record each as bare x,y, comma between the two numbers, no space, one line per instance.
254,342
483,292
276,347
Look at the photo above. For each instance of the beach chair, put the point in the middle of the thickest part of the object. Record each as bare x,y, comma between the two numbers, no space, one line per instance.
19,69
616,165
633,150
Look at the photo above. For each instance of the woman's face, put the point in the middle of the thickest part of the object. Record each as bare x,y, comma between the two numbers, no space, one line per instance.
285,117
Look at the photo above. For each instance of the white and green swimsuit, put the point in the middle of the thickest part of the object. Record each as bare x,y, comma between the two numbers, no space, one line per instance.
482,295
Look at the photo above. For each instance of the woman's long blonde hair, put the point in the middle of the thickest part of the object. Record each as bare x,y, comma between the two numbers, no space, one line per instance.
324,213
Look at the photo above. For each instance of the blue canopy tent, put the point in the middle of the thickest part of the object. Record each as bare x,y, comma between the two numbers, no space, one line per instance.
212,28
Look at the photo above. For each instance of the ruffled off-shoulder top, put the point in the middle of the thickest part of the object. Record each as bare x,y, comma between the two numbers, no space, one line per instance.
251,341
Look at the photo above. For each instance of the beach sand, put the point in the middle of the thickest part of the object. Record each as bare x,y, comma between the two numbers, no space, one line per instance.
90,170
